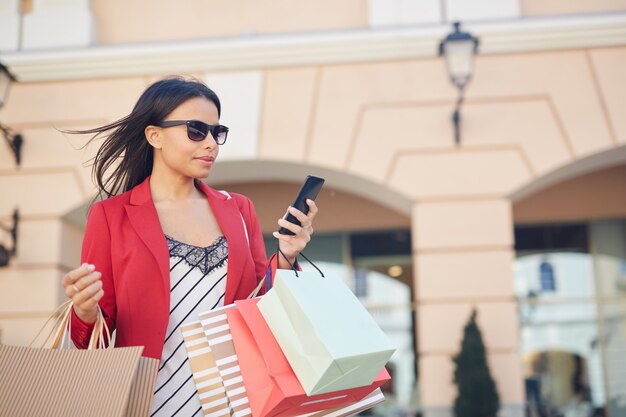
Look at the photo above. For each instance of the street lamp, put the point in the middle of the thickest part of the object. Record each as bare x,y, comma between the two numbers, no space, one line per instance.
14,140
459,49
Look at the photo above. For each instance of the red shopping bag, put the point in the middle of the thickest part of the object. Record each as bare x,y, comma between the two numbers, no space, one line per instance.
272,386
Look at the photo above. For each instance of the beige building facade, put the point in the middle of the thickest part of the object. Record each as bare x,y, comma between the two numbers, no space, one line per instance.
353,91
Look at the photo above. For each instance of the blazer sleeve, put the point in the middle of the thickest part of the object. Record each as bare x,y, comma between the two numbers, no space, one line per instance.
96,250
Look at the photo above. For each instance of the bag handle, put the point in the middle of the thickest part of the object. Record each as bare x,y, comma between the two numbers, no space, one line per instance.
255,292
61,321
58,317
293,265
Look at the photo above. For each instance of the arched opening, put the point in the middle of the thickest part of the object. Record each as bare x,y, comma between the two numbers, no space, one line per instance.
570,280
557,383
592,163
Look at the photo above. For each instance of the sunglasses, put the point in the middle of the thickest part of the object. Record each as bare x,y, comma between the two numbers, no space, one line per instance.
197,130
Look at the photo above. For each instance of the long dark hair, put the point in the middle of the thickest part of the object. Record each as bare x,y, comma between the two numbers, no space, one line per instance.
125,140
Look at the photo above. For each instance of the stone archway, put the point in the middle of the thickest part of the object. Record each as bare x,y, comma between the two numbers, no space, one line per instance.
606,158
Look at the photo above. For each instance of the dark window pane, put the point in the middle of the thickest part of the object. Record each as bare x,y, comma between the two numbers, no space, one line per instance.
384,243
570,238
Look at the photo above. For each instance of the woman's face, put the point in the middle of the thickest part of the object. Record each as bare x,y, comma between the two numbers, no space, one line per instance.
175,152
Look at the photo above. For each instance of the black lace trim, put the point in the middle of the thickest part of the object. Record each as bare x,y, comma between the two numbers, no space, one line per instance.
204,258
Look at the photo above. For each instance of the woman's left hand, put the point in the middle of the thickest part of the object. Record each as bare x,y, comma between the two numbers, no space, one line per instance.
291,246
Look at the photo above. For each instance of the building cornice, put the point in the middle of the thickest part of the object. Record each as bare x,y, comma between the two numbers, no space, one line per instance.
320,48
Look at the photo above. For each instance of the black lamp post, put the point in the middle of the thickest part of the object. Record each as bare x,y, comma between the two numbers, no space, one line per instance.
5,253
459,49
14,140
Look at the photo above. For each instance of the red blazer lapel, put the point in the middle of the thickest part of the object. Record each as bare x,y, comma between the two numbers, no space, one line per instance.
229,217
145,220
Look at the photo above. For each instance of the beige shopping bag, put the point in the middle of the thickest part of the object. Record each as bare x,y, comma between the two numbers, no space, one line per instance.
205,373
61,382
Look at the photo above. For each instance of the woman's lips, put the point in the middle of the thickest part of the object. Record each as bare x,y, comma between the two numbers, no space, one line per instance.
206,160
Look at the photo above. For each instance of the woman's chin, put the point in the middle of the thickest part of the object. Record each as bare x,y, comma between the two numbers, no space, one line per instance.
202,174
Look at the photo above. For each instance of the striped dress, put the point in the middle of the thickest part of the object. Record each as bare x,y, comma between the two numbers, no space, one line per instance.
197,284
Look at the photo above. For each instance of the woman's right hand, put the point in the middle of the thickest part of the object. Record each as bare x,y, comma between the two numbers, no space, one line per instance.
84,287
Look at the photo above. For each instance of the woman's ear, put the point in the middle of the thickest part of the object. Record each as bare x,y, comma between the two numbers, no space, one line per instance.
153,136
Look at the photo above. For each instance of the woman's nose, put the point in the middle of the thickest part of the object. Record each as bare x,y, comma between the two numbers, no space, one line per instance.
209,141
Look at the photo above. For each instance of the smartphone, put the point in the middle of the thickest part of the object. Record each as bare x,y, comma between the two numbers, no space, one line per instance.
309,190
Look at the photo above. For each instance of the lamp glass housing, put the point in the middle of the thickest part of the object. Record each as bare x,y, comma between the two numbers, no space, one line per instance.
460,59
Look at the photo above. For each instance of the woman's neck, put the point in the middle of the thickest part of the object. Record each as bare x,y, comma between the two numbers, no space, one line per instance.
172,188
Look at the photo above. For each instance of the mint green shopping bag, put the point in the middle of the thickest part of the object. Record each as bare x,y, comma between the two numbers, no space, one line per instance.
329,338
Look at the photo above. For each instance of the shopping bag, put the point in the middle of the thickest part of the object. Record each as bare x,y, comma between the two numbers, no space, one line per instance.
273,388
142,388
366,403
218,334
204,370
330,340
60,382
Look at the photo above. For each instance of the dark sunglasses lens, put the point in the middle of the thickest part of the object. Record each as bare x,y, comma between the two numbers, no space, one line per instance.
219,133
196,131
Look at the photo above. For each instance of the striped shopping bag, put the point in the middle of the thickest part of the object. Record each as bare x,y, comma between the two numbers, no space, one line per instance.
217,333
205,373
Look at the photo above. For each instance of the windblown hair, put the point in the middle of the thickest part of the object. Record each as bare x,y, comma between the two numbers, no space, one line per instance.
125,141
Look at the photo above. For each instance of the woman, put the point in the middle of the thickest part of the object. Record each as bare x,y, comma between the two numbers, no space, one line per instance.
164,246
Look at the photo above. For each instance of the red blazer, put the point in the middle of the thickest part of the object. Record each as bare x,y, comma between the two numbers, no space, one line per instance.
125,242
